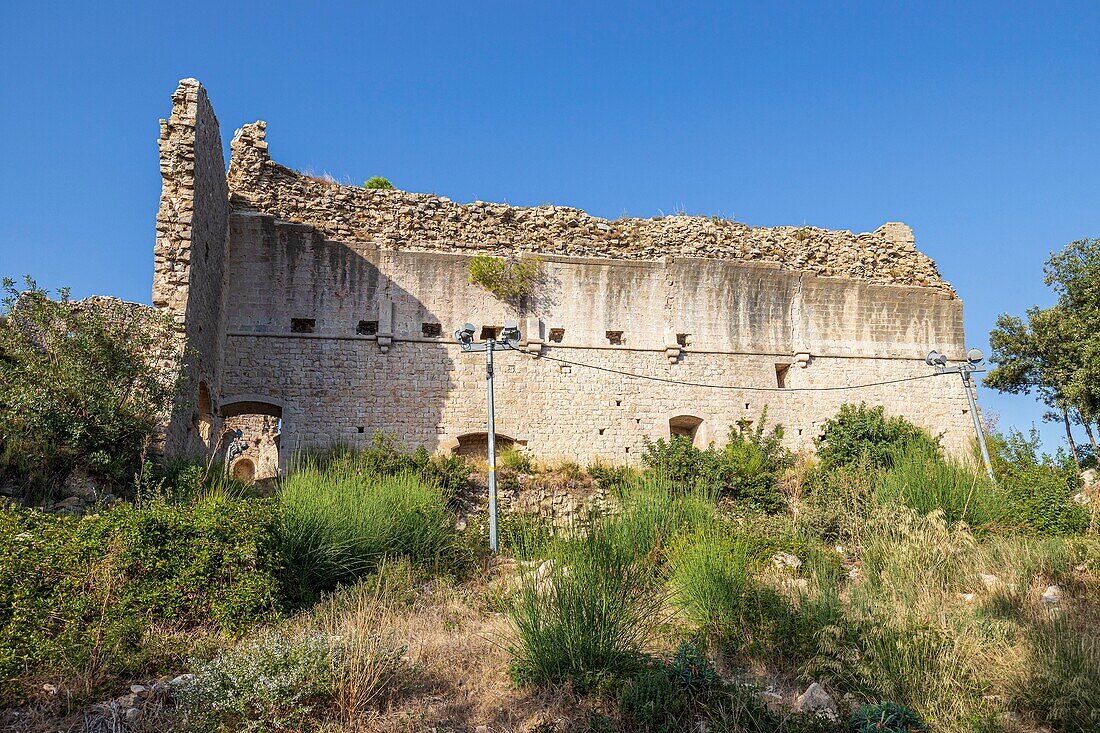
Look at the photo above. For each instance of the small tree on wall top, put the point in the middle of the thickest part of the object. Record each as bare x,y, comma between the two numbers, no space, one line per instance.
378,182
506,278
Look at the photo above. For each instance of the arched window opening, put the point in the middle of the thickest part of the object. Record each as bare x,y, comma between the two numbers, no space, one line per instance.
477,444
244,470
685,426
204,416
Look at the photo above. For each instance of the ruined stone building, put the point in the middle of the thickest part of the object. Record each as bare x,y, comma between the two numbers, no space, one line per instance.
314,313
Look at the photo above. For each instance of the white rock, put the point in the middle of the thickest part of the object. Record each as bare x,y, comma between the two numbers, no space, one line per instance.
786,560
989,581
132,714
182,679
966,597
816,700
1052,595
139,690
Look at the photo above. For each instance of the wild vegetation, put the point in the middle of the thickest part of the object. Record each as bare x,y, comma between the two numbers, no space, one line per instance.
880,585
507,278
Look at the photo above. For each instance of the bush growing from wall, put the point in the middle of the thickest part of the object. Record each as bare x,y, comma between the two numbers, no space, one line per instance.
81,385
378,183
506,278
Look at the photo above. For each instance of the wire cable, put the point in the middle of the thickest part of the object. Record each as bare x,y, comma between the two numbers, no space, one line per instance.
724,386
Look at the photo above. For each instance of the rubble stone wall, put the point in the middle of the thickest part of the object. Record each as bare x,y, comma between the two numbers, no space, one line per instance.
189,259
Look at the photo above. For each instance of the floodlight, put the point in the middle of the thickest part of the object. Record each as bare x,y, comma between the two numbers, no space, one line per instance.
510,331
465,335
935,358
975,356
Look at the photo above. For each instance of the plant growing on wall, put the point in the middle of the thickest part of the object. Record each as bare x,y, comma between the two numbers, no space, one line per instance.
506,278
378,182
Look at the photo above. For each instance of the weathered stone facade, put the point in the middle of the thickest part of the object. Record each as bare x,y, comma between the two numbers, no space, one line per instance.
337,304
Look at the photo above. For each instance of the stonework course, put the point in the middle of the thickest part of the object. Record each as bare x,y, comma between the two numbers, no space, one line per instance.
329,310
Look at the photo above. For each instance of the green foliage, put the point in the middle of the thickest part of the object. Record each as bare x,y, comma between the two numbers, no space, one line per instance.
515,460
747,469
85,595
1038,488
835,502
923,479
378,182
1062,687
273,682
384,457
338,524
507,279
886,717
665,695
611,478
81,386
865,434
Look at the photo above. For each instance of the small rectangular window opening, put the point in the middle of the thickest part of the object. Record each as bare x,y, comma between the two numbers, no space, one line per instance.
360,429
489,332
557,334
601,431
367,328
683,339
431,330
615,338
302,325
781,372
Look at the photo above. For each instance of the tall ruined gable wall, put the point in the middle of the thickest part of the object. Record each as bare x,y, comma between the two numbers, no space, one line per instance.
403,220
189,260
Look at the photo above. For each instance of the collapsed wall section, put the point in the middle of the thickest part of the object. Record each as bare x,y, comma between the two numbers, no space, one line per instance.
189,261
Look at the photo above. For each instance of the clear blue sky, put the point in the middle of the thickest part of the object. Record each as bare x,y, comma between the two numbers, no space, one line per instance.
976,125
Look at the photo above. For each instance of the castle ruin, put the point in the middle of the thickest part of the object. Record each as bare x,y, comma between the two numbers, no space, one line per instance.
314,314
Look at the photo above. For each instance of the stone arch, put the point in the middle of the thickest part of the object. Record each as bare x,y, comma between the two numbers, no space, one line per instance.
477,444
686,423
204,413
244,470
260,420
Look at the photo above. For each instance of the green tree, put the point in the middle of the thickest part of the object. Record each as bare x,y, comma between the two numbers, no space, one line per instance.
378,182
82,385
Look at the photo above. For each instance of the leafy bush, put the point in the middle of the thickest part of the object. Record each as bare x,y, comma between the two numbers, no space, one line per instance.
507,279
515,460
651,702
378,182
865,434
82,385
835,503
886,717
82,596
746,469
274,682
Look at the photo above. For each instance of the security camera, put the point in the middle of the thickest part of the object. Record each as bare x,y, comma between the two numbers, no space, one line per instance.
975,356
935,359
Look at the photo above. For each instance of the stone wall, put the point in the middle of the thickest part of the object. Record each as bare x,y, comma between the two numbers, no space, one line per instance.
189,259
741,321
405,220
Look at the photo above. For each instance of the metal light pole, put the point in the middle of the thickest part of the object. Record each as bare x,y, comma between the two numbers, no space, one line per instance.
509,337
974,358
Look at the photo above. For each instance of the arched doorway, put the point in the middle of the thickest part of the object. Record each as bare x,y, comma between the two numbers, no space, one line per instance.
686,426
260,422
477,444
244,470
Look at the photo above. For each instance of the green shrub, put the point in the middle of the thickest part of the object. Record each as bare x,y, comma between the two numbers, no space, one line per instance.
81,386
922,479
835,503
746,469
507,279
612,479
585,616
666,695
652,515
865,434
712,582
1041,500
515,460
92,595
274,682
886,717
384,457
338,524
378,182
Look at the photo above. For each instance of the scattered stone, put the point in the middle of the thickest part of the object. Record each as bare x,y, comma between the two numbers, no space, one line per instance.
70,503
989,581
783,560
966,597
182,679
816,700
139,690
1052,595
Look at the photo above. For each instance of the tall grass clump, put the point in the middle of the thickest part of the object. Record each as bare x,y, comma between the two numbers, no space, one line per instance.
338,524
653,512
923,480
585,615
1062,685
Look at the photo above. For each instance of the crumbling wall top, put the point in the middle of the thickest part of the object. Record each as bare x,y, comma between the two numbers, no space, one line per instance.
405,220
